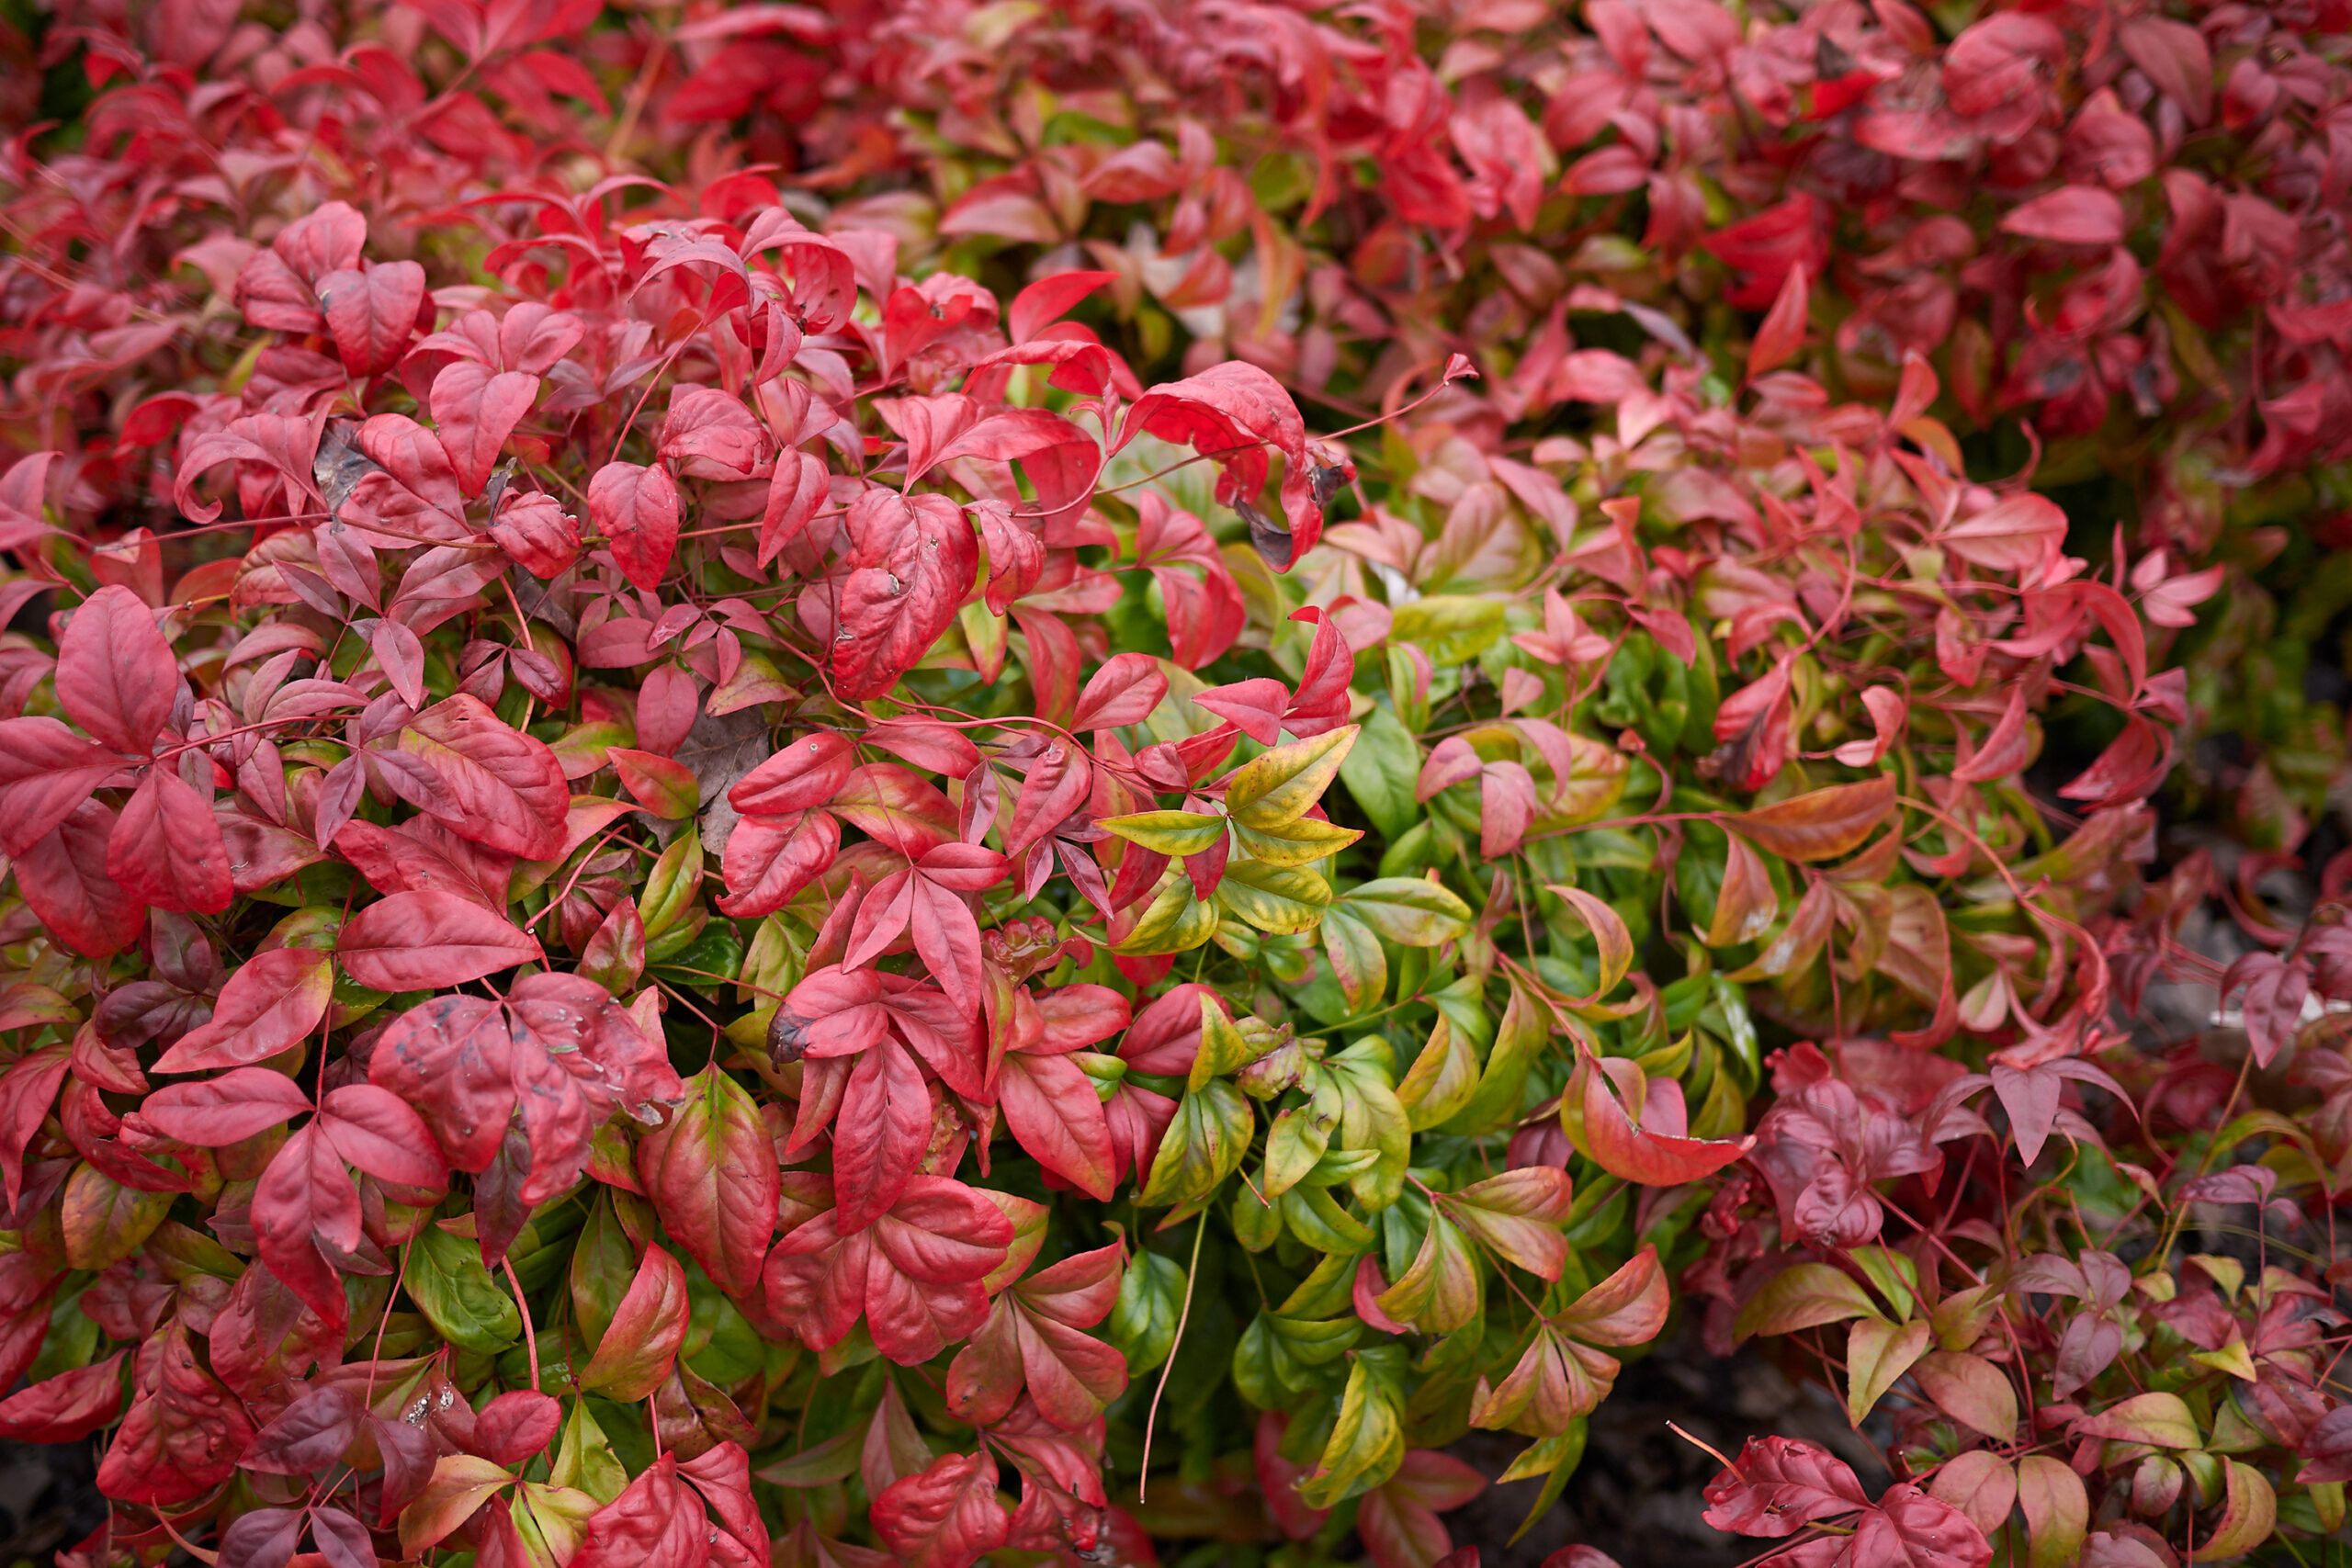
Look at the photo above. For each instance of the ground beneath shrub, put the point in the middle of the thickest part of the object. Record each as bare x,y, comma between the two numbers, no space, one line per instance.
49,1500
1638,1493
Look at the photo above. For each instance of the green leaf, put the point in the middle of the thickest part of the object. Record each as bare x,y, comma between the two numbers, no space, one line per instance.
1278,901
1410,911
1381,770
1518,1040
2057,1510
2160,1419
1142,1321
1370,1117
1224,1048
1367,1441
1315,1217
1554,1459
585,1459
1295,1142
1204,1144
458,1295
1451,630
1276,789
1358,961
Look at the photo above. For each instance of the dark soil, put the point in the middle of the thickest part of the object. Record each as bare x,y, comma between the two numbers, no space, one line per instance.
49,1501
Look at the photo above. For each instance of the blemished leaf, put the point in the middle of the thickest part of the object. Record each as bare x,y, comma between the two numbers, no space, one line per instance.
1276,789
1970,1390
2159,1418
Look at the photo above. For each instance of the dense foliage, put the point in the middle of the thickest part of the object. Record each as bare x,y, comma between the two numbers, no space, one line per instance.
877,782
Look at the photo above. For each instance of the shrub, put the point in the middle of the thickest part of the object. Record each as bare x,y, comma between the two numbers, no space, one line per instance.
705,869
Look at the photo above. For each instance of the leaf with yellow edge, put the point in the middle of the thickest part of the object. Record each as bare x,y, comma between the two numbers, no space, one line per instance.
1441,1079
1175,920
1277,900
1609,934
1276,789
1169,832
2249,1513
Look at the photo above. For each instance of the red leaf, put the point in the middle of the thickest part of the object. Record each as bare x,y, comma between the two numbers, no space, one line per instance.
116,675
2019,533
636,508
67,1408
1059,783
559,1051
375,1129
654,1523
372,314
911,560
62,876
305,1201
1913,1529
1778,1486
1233,412
1123,691
770,858
166,849
46,771
946,1518
423,942
183,1433
225,1110
2078,215
1656,1153
1051,1107
499,787
1783,333
475,411
1049,299
2006,748
1256,706
641,1342
712,1172
796,492
879,1135
23,489
808,772
516,1425
915,1275
537,532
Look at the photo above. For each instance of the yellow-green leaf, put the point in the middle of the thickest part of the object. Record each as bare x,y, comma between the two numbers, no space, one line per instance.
1277,900
1169,832
1878,1352
1275,789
